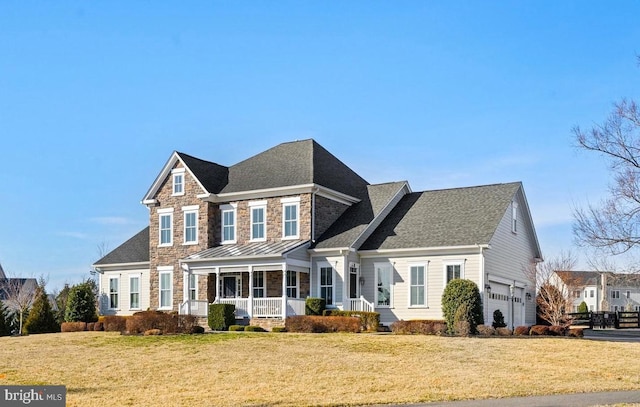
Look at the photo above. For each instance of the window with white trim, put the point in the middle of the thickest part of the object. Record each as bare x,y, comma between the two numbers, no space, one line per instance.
165,217
326,284
292,284
258,222
615,294
193,287
628,294
258,284
417,284
134,292
166,288
190,224
290,218
178,181
384,285
591,293
453,270
514,217
114,288
228,223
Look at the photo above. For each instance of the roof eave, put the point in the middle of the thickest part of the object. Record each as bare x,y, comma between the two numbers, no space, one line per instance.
405,251
281,191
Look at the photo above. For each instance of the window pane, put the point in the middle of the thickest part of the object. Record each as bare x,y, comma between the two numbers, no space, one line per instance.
383,276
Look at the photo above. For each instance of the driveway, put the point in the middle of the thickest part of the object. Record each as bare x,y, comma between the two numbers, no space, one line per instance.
613,335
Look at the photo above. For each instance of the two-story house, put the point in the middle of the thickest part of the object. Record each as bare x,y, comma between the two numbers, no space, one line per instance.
601,291
294,221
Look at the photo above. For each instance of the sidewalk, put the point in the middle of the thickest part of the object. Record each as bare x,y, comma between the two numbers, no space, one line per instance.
565,400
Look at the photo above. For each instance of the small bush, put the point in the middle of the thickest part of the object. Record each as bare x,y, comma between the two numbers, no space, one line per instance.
98,326
557,330
424,327
278,329
583,307
73,326
197,329
314,306
221,316
539,330
576,332
504,331
115,323
498,319
236,328
486,330
521,331
369,321
318,324
150,332
252,328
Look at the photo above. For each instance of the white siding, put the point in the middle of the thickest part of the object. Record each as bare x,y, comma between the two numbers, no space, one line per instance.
123,292
339,265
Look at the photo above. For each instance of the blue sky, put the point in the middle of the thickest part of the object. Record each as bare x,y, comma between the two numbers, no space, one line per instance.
94,97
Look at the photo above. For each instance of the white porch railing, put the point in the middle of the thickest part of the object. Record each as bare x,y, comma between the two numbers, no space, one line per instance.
198,308
264,307
267,307
242,305
360,304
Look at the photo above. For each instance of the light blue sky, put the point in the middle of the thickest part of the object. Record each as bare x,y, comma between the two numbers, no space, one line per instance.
94,97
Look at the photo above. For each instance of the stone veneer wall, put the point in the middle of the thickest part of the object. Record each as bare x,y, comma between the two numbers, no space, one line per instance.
327,212
169,256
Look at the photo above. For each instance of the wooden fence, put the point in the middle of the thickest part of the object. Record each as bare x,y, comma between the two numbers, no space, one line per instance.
618,320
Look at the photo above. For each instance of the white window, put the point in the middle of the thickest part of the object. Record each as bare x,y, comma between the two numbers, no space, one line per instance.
134,292
178,181
417,286
591,293
384,285
258,284
114,286
514,217
615,294
258,220
190,224
290,218
193,287
166,226
292,284
576,294
453,270
228,223
326,284
165,275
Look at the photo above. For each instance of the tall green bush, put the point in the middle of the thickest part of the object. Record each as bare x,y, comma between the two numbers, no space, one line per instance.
583,307
459,293
81,304
5,322
498,319
41,317
221,316
314,306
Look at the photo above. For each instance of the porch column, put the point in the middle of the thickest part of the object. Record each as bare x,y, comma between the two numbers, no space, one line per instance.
186,273
284,291
250,298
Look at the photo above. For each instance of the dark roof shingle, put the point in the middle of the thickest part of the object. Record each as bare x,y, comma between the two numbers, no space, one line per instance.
134,250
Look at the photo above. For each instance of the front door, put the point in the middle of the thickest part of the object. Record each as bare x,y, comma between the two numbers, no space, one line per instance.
353,282
229,287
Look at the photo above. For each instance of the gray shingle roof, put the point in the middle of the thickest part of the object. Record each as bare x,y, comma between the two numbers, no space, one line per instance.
294,163
451,217
134,250
578,278
345,231
212,176
256,249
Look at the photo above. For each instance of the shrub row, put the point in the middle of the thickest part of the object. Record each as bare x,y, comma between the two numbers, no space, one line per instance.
420,326
536,330
369,321
167,323
81,326
319,324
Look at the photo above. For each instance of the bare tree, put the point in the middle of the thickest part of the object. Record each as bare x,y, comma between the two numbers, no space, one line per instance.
555,284
614,224
19,294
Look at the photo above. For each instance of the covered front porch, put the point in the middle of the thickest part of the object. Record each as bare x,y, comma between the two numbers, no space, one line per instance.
270,281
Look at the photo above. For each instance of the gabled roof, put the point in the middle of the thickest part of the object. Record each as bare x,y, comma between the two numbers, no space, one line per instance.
134,250
578,278
212,176
296,163
444,218
354,221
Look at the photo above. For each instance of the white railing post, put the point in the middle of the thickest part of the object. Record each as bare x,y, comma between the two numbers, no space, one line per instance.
250,297
284,291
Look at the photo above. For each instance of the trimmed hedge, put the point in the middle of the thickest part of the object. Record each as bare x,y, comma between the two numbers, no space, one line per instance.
539,330
314,306
236,328
576,333
369,321
521,331
557,330
115,323
167,323
73,326
318,324
486,330
278,329
253,328
504,331
98,326
420,326
221,316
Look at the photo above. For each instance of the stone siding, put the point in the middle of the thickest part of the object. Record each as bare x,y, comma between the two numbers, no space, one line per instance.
327,212
267,323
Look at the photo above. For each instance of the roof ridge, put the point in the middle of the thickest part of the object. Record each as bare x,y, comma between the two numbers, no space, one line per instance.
197,158
470,187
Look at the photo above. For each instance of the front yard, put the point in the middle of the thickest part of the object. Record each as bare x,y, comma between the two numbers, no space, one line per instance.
230,369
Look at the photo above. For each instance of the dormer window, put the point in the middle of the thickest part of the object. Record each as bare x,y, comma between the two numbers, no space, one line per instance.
178,181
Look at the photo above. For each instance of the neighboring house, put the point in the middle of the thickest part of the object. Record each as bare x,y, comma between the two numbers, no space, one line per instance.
602,291
16,290
294,221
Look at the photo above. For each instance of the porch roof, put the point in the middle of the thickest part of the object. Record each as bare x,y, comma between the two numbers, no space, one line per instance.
248,250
